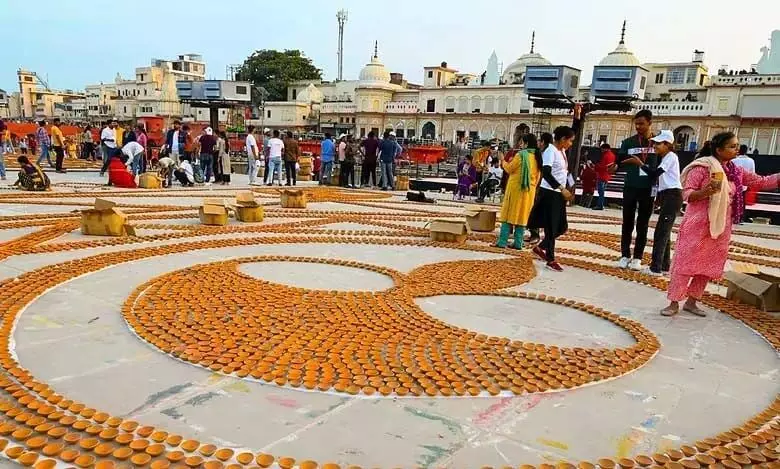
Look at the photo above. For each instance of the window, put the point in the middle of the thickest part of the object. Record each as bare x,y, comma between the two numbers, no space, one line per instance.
463,104
295,95
430,106
701,80
399,133
449,109
28,79
144,91
124,109
375,130
690,75
589,138
438,78
242,90
268,114
476,104
430,73
642,83
362,132
602,139
574,82
676,76
723,104
410,133
659,78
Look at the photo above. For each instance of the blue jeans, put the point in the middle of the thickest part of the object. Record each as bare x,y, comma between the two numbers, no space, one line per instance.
325,171
601,187
45,154
2,166
387,175
274,170
136,165
207,165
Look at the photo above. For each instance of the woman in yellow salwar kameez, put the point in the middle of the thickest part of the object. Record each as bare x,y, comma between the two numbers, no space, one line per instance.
524,168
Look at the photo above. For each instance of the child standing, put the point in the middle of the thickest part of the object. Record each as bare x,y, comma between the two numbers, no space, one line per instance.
467,177
669,198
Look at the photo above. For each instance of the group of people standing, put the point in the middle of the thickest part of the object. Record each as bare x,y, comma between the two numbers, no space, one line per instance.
374,153
537,189
713,186
275,152
194,158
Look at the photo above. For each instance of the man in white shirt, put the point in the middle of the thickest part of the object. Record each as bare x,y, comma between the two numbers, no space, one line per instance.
749,166
495,173
252,154
669,198
108,144
185,174
275,149
342,147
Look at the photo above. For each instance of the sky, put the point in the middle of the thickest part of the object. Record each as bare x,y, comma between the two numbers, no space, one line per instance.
79,42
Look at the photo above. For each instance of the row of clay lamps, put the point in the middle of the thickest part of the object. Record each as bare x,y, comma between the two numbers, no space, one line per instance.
28,400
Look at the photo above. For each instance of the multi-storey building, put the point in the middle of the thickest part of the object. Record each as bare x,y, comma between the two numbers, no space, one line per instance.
36,99
683,96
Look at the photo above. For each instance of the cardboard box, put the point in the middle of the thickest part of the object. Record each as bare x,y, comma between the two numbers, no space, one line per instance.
293,199
755,288
402,183
249,214
449,231
149,181
103,204
246,198
213,212
110,222
480,218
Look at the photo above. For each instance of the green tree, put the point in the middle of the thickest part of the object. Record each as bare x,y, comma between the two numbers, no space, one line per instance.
274,70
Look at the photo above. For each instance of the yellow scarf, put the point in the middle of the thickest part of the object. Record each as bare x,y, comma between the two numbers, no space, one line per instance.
719,202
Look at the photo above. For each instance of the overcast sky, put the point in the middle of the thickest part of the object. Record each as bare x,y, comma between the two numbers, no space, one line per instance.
80,42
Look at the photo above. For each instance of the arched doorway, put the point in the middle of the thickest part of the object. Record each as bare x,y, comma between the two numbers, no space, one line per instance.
520,130
428,130
684,136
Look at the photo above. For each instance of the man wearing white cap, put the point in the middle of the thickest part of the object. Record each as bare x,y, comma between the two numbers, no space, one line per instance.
669,198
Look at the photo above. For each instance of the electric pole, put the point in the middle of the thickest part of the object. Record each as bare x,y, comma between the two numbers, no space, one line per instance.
341,16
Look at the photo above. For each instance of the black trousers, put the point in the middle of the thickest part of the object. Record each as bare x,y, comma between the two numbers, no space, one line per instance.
487,187
181,176
368,173
60,153
552,215
670,200
637,209
289,169
347,174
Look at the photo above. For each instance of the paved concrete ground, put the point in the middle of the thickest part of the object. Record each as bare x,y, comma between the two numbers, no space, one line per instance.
710,374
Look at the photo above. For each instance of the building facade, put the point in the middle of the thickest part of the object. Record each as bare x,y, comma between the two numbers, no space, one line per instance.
683,96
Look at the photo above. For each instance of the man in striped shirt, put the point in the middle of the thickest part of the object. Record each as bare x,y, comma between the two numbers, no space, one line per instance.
44,143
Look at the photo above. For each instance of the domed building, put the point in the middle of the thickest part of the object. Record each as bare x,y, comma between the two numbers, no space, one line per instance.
621,56
374,89
514,74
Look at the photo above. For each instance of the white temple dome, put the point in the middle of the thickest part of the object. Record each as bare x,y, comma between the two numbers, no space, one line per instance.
375,71
621,56
515,72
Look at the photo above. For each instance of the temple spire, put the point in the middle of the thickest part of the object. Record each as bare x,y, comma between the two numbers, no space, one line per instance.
533,40
376,49
623,33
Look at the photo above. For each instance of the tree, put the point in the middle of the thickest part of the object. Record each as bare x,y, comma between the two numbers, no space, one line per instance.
273,71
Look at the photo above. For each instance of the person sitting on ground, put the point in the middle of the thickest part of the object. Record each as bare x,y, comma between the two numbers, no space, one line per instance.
467,178
185,174
495,174
118,174
31,176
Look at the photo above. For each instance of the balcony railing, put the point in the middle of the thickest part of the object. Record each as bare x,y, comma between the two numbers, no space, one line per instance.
675,108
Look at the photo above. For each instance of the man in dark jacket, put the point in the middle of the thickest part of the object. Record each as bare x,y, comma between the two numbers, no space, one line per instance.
369,149
388,150
635,152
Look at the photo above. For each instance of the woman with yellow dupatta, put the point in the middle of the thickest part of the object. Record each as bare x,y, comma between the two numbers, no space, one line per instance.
31,176
523,166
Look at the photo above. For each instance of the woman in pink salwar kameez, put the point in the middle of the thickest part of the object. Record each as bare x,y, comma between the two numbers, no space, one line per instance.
713,188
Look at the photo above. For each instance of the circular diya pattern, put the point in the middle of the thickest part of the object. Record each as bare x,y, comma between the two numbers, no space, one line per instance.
41,428
369,343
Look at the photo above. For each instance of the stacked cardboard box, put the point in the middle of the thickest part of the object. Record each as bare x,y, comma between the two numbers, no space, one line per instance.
247,209
105,220
213,212
149,181
481,218
305,171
